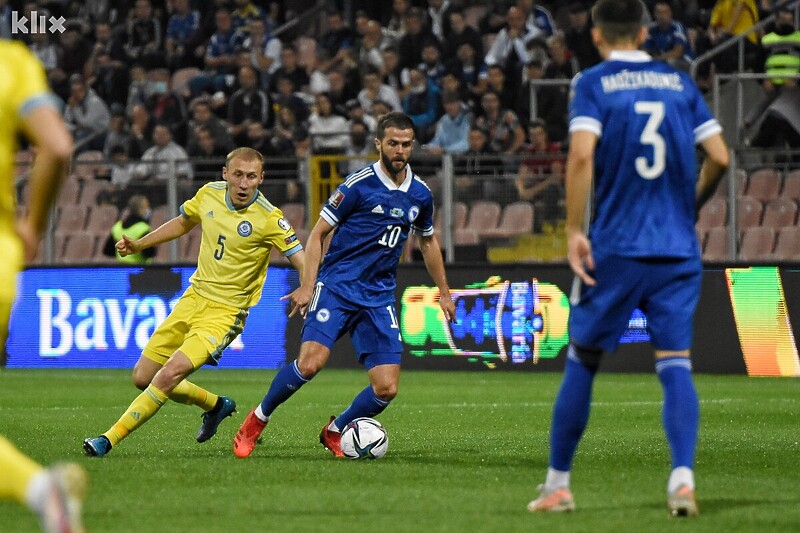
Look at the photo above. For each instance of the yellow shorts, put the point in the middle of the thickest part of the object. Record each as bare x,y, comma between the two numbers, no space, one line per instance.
199,328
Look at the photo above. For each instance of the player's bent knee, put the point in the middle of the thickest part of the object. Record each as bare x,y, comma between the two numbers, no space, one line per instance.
140,380
385,391
589,357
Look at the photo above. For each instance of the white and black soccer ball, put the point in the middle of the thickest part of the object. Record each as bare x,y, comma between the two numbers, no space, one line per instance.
364,438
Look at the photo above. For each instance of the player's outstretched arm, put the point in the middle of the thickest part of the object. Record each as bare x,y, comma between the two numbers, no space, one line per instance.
46,130
580,165
714,166
432,254
169,230
312,258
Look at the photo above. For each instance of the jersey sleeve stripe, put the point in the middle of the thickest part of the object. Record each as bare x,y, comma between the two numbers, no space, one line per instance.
293,250
329,217
706,130
584,123
363,173
183,213
427,232
38,100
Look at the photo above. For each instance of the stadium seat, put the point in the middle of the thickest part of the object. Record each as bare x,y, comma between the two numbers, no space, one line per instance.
517,219
69,193
741,183
101,219
757,242
180,80
791,186
88,165
749,212
460,212
483,215
702,233
190,246
91,190
780,212
71,219
713,214
787,244
466,236
79,248
764,184
716,247
159,216
295,213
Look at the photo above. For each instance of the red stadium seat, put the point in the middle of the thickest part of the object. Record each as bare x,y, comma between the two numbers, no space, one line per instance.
71,218
91,190
764,184
741,183
483,215
787,245
517,219
780,212
68,194
88,165
716,247
757,242
713,214
295,213
101,219
791,186
749,212
79,248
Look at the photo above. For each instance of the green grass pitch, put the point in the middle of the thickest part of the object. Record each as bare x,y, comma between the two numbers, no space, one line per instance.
466,452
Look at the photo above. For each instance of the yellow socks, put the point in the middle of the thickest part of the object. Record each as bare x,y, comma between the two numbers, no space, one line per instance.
143,407
190,394
17,472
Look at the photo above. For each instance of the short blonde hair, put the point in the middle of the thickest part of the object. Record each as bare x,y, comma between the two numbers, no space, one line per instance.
246,154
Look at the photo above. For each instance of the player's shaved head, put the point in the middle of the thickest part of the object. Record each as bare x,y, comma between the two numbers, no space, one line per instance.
618,20
245,154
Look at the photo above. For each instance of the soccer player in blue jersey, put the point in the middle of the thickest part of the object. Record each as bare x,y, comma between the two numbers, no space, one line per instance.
634,124
373,212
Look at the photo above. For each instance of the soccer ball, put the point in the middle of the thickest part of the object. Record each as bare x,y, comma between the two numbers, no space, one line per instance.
364,438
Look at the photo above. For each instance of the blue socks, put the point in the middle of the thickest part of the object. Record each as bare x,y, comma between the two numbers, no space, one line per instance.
287,381
571,409
681,410
366,403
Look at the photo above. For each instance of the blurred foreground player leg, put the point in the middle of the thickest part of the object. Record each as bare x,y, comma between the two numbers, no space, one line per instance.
239,229
27,107
641,250
373,212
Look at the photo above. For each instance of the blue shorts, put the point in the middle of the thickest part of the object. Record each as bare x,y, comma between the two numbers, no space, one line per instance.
374,330
665,289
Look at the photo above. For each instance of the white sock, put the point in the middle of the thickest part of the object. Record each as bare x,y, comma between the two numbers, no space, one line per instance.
556,479
37,491
260,414
683,475
332,427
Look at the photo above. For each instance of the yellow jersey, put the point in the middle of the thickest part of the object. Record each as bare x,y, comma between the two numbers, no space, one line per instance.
236,243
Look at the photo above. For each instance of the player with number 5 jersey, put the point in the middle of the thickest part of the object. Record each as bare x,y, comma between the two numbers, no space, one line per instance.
373,213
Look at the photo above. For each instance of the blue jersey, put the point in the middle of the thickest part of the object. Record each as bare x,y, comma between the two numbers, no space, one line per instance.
373,218
647,117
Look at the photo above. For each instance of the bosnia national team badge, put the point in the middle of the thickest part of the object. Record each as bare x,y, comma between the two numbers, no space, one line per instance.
336,198
284,224
245,228
413,213
396,212
323,315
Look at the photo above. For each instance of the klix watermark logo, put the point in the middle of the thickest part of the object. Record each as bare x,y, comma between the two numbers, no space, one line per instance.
37,23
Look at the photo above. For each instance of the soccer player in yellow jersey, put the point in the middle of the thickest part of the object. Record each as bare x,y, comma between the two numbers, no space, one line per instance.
28,107
240,228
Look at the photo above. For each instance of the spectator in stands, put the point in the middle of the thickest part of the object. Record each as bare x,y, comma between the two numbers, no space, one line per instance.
461,33
265,52
730,18
356,113
421,103
667,39
369,52
245,13
181,28
159,163
478,164
143,36
286,97
439,12
289,69
375,90
452,130
578,36
432,65
416,37
118,133
220,59
282,139
108,66
540,178
208,156
75,53
507,87
391,74
337,40
328,130
379,109
86,115
397,22
135,224
469,69
257,138
537,16
203,116
121,175
45,51
510,47
359,148
494,19
141,130
776,127
248,104
340,91
295,191
501,126
553,100
165,106
137,89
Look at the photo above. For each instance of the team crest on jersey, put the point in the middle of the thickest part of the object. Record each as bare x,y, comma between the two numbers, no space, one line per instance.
413,213
284,224
245,228
336,199
323,315
396,212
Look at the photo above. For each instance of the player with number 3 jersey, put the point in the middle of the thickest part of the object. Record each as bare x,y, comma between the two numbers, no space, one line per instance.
373,212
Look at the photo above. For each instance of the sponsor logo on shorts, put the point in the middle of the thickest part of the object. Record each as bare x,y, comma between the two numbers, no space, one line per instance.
336,199
245,228
323,315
